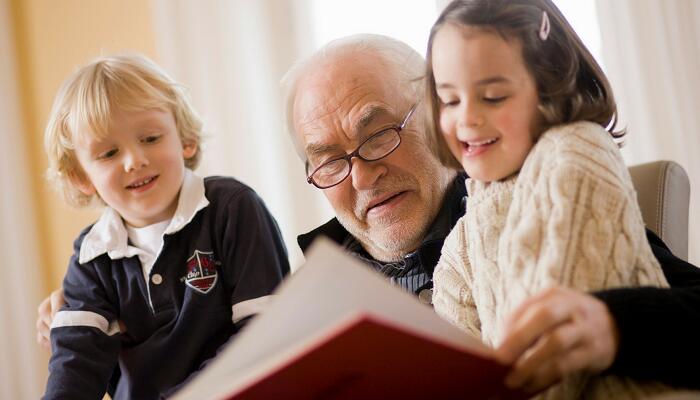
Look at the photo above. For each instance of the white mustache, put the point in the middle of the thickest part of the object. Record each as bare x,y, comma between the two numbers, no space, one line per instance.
364,198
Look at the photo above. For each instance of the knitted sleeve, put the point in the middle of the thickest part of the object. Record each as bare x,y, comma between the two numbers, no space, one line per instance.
453,297
574,219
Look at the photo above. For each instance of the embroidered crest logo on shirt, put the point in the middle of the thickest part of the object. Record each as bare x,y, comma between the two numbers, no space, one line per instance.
201,271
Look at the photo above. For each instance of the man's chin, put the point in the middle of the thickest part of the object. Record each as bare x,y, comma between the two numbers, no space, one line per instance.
394,240
388,238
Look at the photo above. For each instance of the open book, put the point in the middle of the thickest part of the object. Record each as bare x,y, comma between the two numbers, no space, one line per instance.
337,329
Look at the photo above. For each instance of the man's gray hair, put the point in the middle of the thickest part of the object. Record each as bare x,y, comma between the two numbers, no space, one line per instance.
409,68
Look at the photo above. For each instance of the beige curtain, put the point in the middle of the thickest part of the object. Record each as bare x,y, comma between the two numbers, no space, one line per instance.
232,55
23,365
651,50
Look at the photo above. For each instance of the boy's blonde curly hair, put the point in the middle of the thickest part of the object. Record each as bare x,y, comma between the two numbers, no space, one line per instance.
89,97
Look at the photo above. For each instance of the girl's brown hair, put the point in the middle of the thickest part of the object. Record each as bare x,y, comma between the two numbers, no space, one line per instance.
571,85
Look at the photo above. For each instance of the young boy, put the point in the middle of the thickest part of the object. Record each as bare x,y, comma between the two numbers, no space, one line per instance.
175,264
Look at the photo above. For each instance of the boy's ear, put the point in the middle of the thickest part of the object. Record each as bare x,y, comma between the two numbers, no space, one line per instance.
189,149
79,180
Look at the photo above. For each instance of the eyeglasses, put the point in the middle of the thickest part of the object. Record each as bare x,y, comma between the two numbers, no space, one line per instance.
375,147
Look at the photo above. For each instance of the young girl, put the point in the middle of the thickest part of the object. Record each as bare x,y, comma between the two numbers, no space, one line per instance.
530,116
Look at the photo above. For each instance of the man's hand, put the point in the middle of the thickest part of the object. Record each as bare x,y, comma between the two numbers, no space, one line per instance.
47,310
556,333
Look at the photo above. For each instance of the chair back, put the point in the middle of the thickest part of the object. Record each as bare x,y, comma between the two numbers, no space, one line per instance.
663,193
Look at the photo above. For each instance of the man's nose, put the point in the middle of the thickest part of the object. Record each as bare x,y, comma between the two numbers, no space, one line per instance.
365,174
135,159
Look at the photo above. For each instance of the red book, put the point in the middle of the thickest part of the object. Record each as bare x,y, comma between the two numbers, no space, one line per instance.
336,329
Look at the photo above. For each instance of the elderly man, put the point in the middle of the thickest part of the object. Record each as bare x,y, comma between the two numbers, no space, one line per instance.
360,128
355,116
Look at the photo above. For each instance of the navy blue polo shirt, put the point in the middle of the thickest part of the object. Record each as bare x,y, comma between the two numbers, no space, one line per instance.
221,258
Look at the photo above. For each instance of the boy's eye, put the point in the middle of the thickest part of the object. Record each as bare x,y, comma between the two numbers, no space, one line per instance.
107,154
152,138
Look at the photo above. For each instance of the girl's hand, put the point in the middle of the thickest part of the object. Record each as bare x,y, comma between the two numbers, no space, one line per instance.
556,333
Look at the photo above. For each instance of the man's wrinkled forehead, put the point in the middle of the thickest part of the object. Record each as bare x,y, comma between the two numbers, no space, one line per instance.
358,127
342,100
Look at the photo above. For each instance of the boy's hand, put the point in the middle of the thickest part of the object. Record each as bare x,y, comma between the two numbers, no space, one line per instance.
556,333
47,310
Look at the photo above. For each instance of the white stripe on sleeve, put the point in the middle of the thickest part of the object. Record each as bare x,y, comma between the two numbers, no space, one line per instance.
249,307
85,318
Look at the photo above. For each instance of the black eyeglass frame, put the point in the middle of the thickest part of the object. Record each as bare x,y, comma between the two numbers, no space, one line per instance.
356,153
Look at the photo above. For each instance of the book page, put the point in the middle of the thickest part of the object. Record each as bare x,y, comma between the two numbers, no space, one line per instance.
329,289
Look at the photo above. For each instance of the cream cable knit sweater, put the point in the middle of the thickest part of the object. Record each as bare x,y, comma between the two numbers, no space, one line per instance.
570,217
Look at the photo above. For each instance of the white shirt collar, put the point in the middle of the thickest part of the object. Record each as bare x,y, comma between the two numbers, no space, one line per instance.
109,234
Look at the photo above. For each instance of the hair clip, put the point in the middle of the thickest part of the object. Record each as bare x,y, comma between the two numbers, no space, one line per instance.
544,26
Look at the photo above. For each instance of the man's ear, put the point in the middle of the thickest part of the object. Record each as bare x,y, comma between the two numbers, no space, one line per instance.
189,149
79,180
